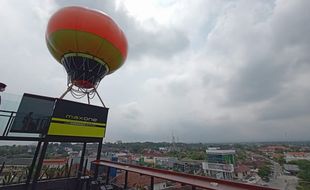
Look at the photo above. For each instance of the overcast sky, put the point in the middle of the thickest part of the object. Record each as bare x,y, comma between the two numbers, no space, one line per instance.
204,71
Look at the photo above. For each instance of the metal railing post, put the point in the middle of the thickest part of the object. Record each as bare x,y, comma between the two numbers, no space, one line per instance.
6,129
33,163
2,167
108,175
85,166
70,167
126,179
98,158
82,160
152,182
39,166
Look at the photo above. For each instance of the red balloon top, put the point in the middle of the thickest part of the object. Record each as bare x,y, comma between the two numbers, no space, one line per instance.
91,21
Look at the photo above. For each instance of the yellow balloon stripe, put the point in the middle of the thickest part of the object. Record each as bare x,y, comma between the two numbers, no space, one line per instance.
63,42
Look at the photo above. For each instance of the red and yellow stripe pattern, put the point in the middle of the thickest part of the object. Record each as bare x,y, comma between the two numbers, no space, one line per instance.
86,31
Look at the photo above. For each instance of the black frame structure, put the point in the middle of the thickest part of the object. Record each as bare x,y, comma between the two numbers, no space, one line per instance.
42,143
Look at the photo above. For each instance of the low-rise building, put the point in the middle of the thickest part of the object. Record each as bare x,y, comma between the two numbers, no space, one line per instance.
220,163
165,162
188,166
291,169
163,149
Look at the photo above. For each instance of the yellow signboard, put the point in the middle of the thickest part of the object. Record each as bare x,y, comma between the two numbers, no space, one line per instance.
78,120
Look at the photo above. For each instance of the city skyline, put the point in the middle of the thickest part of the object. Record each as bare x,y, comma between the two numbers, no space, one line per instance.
205,71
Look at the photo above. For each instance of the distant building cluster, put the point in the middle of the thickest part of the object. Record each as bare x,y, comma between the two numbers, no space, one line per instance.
293,156
227,163
287,153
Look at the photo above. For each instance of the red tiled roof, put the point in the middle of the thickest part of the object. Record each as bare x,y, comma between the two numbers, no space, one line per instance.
55,161
152,153
278,147
272,148
296,154
242,168
275,155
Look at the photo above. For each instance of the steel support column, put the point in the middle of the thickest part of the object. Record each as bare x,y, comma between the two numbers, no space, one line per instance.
126,179
108,176
7,127
33,163
39,166
152,183
69,172
85,167
82,160
79,185
2,167
98,158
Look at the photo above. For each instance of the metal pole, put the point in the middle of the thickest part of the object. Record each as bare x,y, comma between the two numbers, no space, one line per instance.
82,160
98,158
99,97
79,185
66,92
85,167
88,99
152,182
126,179
108,175
2,167
34,160
6,130
70,167
10,124
39,166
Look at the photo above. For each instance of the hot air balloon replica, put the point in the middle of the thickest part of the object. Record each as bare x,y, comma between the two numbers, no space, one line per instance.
89,44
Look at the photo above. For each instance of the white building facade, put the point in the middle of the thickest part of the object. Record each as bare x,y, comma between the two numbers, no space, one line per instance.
220,163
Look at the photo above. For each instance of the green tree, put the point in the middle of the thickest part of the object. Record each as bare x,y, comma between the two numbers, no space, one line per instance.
280,160
264,172
304,174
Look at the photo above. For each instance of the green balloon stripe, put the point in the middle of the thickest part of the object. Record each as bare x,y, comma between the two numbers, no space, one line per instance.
63,42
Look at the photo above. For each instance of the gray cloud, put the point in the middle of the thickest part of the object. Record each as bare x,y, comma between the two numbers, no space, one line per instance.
273,55
257,81
158,42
